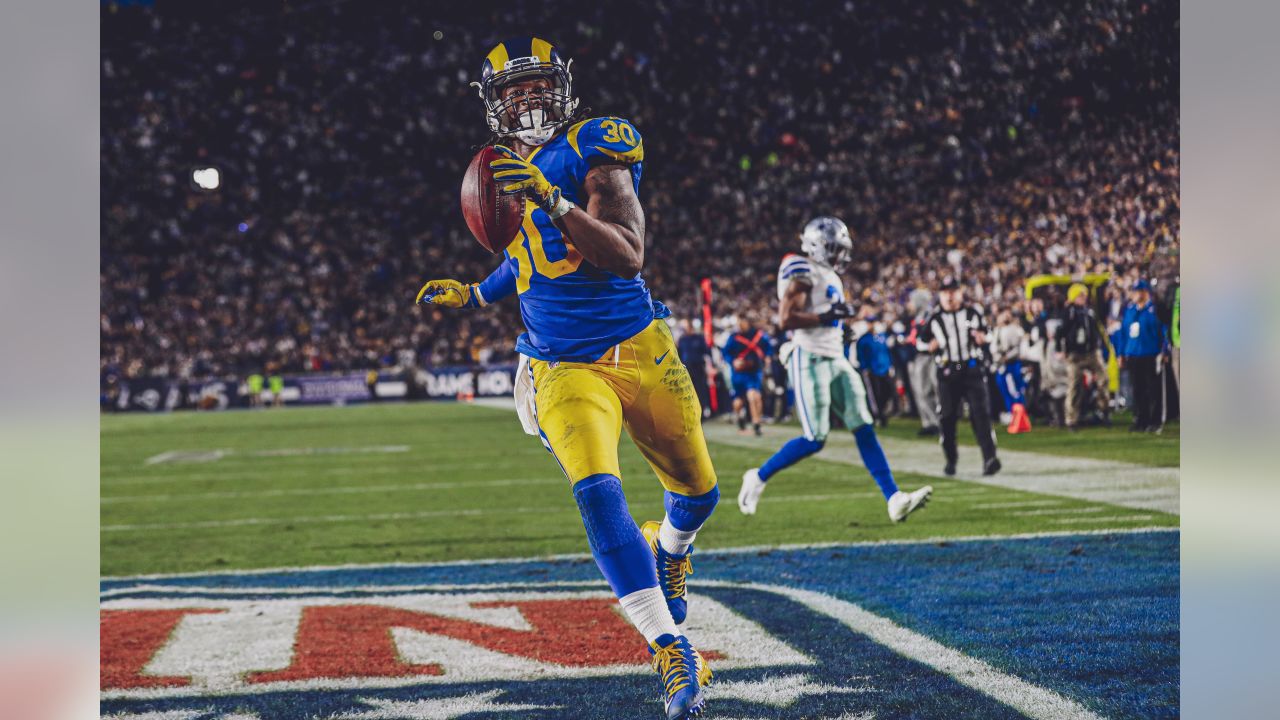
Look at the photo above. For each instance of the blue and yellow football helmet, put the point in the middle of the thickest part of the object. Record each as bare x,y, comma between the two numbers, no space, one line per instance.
532,116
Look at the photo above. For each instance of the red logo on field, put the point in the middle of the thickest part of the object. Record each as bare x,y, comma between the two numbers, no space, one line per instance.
336,641
130,638
355,640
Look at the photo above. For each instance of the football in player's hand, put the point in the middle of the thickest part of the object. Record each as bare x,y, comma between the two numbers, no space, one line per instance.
494,218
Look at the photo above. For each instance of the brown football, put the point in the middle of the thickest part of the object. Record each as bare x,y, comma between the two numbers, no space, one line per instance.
494,218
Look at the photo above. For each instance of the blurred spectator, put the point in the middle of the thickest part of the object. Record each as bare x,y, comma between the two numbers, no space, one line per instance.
1081,342
990,141
876,364
691,346
1006,346
748,352
924,373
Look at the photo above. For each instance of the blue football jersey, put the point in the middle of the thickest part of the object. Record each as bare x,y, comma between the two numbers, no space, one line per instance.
572,310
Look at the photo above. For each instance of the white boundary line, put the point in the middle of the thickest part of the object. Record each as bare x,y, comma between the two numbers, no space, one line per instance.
701,553
1031,700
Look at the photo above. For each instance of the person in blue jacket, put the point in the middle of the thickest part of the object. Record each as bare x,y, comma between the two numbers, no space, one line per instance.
747,352
1142,341
876,361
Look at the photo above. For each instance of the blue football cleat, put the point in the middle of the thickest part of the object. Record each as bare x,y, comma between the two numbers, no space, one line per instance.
684,673
672,571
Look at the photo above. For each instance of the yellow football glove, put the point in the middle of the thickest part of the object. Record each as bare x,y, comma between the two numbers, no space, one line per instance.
518,175
449,293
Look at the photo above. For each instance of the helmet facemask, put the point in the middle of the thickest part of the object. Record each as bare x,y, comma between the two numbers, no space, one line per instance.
534,115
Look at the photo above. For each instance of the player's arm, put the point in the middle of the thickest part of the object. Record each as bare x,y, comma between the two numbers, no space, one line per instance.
796,313
452,293
610,233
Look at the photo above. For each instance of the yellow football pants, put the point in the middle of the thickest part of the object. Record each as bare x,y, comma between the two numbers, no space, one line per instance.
641,385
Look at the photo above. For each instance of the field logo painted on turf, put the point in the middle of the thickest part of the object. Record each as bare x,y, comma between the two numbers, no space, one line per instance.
188,644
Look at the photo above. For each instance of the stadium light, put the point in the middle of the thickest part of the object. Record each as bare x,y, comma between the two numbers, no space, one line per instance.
206,178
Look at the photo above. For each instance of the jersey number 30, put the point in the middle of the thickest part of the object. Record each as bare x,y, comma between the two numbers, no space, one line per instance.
536,256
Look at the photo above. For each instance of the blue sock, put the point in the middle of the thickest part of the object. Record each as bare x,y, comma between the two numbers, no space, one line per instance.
688,513
793,452
621,553
873,457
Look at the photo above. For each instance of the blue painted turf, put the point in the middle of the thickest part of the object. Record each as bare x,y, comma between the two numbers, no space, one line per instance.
1094,618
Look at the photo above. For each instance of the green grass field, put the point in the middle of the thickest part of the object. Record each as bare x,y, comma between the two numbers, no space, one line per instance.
1113,443
444,481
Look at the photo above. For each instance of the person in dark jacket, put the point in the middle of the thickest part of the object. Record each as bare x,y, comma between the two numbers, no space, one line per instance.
1142,341
1081,341
693,352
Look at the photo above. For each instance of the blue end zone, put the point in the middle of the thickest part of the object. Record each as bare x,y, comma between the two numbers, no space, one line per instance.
1092,617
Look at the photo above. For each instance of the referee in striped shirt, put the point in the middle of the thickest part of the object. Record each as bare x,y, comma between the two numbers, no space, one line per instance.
956,334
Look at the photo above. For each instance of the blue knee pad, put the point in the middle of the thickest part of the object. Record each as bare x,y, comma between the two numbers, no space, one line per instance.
688,513
620,550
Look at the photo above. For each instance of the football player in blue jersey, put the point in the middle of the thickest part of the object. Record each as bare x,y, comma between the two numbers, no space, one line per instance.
597,355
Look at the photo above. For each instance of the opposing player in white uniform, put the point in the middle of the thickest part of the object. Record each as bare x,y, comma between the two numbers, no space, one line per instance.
813,309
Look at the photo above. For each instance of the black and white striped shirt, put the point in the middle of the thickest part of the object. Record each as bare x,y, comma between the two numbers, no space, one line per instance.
954,332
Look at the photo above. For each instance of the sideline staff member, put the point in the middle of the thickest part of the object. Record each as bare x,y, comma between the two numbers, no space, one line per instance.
957,336
1141,344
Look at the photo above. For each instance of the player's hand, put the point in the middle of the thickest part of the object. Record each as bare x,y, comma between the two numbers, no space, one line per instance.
518,175
449,293
838,311
933,345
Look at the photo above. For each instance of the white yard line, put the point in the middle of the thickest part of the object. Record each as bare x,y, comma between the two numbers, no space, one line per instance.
339,490
302,520
210,456
1118,483
1031,700
710,551
1017,504
357,468
1103,518
1061,511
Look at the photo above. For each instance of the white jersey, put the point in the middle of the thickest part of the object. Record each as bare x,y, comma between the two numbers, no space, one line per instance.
825,288
1008,342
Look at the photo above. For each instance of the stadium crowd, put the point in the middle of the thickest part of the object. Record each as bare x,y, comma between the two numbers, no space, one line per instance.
989,142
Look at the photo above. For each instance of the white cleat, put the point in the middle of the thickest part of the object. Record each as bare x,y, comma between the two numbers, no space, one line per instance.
752,488
903,504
